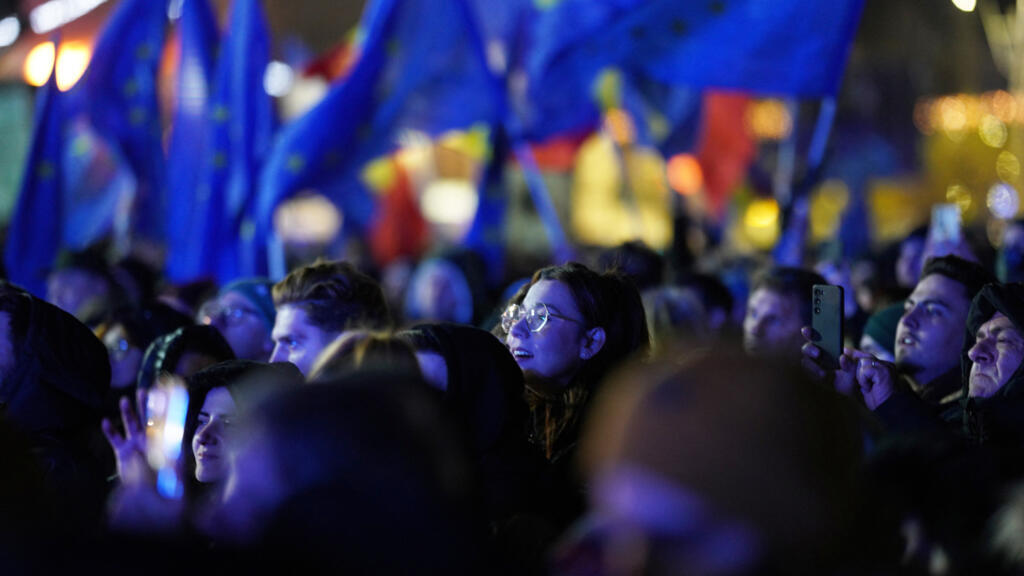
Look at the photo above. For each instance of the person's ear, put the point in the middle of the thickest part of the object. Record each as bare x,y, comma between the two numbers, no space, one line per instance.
592,344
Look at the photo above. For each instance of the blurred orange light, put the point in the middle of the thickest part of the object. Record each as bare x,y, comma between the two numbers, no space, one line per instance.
72,60
39,64
684,174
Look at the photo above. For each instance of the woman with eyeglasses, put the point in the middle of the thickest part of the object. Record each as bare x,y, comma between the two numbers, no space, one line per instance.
566,329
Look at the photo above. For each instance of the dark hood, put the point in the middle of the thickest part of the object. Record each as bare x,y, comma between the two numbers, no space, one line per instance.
61,374
485,385
1007,299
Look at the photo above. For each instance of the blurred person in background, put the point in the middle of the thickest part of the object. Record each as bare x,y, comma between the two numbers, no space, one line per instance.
718,463
910,262
449,287
127,333
1010,257
357,475
716,300
674,313
55,375
879,337
244,313
639,262
319,302
82,284
779,304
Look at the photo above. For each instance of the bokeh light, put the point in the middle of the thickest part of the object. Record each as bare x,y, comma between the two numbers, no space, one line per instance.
684,174
769,120
72,60
308,219
965,5
761,222
961,196
1007,166
448,202
39,64
992,131
1003,201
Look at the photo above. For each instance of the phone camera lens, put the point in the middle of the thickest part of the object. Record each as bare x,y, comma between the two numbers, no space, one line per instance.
817,301
817,310
817,291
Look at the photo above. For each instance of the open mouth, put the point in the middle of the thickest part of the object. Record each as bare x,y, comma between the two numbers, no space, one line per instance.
520,354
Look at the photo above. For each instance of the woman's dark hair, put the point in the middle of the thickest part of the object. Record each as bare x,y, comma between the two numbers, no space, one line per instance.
164,353
608,300
247,381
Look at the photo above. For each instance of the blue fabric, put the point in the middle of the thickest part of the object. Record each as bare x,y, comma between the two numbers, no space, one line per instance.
421,67
242,124
486,234
35,230
118,93
791,47
198,34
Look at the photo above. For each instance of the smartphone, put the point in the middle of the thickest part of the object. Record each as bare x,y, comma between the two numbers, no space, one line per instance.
827,323
166,409
945,225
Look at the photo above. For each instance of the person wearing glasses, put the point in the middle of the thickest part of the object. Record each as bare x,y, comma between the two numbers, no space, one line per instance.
244,314
567,329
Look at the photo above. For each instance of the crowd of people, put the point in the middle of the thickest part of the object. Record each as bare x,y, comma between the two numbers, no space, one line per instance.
632,414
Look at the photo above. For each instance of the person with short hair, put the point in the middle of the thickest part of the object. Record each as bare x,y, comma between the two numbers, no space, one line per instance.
317,303
244,313
779,304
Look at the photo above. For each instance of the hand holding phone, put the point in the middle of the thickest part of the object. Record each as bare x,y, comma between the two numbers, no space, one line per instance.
827,323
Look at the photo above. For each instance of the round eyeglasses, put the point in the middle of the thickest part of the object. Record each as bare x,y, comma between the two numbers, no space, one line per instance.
229,315
536,317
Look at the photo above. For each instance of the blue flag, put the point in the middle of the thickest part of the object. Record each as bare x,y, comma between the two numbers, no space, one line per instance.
198,39
486,234
118,93
792,47
34,236
241,125
421,67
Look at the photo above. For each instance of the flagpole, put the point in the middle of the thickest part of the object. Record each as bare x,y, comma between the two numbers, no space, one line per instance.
542,201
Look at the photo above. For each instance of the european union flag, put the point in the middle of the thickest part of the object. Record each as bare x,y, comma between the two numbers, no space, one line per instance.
242,123
198,39
421,67
35,231
793,47
118,92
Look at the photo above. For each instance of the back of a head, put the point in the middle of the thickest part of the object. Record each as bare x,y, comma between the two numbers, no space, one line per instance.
199,345
484,384
720,445
335,296
369,478
639,262
57,372
674,312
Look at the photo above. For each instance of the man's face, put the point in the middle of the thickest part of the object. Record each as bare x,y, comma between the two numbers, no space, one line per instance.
237,319
772,324
995,356
296,340
930,333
